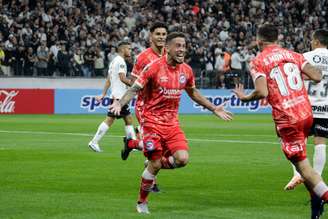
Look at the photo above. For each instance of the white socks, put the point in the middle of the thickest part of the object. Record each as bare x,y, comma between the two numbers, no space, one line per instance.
102,129
320,189
130,133
147,175
319,158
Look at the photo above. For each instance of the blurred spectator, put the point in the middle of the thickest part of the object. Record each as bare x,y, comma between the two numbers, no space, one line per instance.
89,60
219,68
29,62
42,59
64,60
112,54
99,63
237,73
78,63
209,25
2,58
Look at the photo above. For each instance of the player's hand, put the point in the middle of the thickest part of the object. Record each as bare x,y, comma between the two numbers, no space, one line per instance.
99,98
219,111
115,107
239,91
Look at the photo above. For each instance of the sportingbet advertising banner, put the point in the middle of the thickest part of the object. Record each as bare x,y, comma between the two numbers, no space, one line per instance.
84,102
232,103
26,101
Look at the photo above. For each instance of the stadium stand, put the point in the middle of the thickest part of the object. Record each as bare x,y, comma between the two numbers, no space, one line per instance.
78,37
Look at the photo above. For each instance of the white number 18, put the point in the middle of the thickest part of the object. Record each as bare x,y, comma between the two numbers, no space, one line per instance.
294,79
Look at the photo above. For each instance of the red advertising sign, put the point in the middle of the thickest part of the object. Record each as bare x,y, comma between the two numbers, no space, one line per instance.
27,101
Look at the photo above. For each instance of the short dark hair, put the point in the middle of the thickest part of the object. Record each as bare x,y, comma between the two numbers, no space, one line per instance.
123,43
174,35
268,32
156,25
322,36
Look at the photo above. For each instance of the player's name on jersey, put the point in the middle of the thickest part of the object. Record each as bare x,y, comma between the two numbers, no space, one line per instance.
320,108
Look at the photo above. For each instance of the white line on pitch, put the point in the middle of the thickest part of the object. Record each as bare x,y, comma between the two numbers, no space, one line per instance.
119,136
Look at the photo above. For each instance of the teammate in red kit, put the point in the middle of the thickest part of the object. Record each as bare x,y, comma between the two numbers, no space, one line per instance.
158,34
162,83
277,75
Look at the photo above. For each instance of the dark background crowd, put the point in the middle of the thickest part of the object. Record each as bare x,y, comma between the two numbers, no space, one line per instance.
79,37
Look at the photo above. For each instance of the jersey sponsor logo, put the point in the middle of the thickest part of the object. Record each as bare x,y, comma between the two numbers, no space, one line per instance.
7,105
163,79
316,59
122,66
170,93
320,108
182,78
293,102
91,104
320,59
235,103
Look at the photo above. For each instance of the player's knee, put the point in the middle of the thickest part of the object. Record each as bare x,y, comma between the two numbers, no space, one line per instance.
182,161
155,165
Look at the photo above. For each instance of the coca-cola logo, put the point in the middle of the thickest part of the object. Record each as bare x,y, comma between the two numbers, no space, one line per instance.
7,105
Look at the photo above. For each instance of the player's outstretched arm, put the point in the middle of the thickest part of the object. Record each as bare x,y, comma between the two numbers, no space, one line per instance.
260,91
129,94
219,111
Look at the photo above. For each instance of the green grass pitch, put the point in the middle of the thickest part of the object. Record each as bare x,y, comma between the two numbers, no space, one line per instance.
236,171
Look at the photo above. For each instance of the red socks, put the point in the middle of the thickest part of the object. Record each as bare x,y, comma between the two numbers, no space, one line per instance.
133,144
145,188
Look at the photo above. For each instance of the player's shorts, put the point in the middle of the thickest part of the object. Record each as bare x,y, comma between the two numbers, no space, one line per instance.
319,127
293,139
125,111
163,141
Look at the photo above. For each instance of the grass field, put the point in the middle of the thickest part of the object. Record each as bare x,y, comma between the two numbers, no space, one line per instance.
236,171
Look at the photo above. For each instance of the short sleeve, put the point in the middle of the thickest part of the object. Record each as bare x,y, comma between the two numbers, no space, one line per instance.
120,66
191,80
256,70
146,74
138,67
301,61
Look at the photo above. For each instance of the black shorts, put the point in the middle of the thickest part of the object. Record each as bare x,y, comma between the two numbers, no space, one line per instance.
124,112
319,127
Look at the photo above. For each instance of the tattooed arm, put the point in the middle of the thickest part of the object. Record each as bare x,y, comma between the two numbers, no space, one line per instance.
129,94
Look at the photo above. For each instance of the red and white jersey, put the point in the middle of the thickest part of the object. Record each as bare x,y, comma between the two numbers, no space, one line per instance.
287,94
144,58
162,88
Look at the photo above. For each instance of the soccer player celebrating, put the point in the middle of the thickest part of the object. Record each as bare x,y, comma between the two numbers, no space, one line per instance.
118,82
162,83
319,101
277,75
158,34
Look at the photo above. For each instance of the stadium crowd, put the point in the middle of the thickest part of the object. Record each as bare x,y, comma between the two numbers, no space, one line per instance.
79,37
